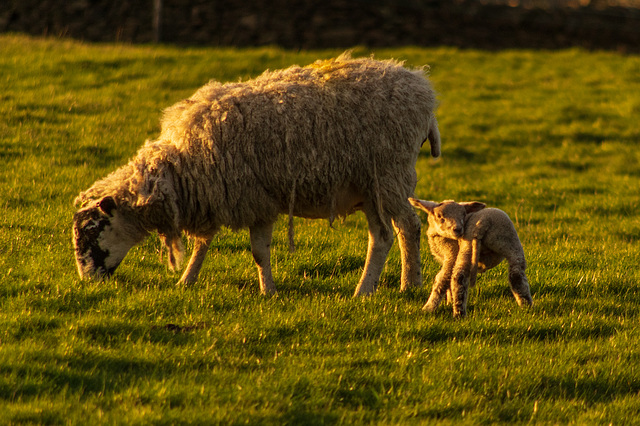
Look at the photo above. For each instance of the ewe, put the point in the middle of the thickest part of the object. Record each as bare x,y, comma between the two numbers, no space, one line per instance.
467,238
319,141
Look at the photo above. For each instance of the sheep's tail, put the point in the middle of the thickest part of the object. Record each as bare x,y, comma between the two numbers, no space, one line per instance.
292,200
475,257
434,137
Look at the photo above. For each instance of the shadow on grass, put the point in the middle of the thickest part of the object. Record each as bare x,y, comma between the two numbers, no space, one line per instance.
92,156
554,332
299,414
589,389
326,269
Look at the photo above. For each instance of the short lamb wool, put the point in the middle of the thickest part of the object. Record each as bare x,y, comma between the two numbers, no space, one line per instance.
467,238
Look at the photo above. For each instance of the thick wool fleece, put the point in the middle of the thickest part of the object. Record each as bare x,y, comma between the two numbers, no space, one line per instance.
312,141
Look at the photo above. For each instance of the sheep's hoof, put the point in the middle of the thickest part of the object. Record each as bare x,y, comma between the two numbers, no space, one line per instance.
525,303
269,291
365,289
429,307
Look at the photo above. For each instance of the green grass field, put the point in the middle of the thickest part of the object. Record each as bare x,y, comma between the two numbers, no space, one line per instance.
550,137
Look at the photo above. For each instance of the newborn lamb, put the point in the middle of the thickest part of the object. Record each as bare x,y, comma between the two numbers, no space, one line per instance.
467,238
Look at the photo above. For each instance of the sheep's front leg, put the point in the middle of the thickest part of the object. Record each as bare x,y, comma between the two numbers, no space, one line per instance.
380,241
200,248
260,236
460,278
408,228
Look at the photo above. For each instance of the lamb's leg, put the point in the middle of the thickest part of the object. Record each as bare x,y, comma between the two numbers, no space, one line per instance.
460,278
446,251
475,258
200,247
441,285
518,280
408,228
260,236
380,241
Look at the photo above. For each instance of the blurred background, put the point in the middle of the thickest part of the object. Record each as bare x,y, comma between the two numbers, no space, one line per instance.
306,24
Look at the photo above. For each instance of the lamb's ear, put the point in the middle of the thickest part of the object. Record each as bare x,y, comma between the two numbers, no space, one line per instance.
473,206
108,205
426,206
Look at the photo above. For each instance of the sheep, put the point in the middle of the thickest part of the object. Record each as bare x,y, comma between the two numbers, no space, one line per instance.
467,238
320,141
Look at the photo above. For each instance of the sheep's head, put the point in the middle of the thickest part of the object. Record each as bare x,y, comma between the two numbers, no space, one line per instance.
102,236
447,218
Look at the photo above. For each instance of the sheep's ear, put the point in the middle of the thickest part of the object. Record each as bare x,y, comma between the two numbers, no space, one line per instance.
426,206
473,206
107,205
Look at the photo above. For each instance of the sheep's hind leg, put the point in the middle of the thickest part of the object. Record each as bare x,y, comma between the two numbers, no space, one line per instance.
408,228
380,241
200,248
260,236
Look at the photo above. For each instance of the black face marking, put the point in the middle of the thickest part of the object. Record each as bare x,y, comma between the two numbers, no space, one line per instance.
87,226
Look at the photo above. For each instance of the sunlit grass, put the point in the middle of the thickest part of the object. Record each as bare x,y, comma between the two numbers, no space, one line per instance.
549,137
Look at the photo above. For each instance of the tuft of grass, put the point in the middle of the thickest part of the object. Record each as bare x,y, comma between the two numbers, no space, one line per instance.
549,137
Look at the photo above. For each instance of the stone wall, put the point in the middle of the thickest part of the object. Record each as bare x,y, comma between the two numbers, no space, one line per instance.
305,24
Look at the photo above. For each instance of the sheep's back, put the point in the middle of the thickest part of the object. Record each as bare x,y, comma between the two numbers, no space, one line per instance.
319,130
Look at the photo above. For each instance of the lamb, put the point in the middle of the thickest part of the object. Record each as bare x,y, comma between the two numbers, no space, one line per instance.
467,238
320,141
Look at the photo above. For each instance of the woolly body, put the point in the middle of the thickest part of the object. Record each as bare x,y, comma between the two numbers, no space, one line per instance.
319,141
467,238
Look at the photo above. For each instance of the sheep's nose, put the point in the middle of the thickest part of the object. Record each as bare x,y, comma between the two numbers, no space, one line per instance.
458,231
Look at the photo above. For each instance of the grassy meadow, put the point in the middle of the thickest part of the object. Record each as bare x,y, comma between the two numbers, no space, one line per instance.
550,137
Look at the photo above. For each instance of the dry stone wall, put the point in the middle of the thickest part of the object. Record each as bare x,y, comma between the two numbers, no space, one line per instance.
304,24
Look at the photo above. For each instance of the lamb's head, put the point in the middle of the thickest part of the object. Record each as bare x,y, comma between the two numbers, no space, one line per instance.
448,217
102,235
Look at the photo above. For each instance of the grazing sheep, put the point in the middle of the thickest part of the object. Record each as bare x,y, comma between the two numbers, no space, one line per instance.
467,238
319,141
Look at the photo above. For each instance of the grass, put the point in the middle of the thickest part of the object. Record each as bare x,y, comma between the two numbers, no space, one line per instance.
550,137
